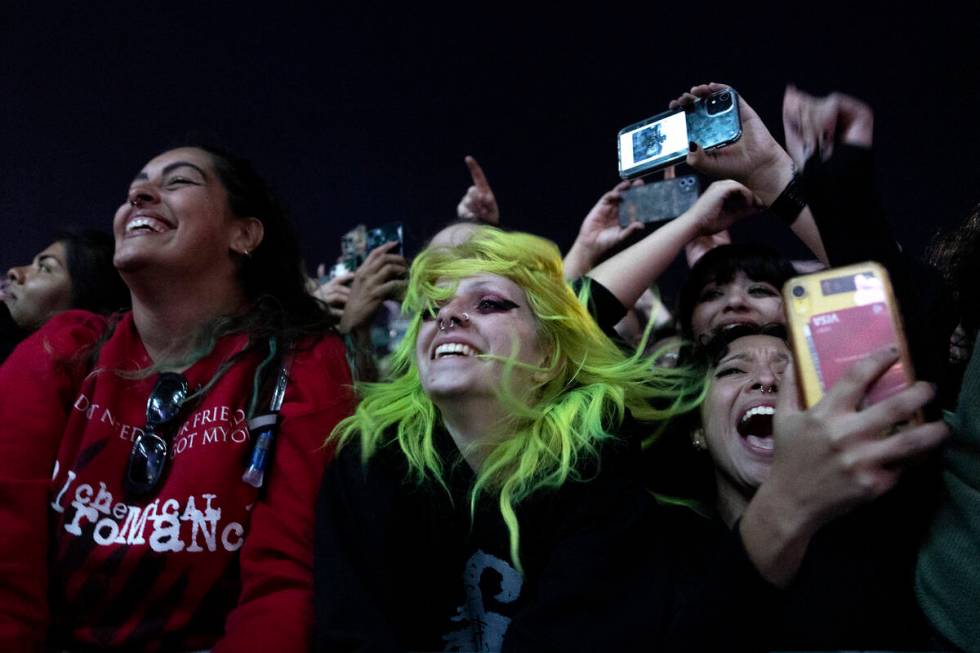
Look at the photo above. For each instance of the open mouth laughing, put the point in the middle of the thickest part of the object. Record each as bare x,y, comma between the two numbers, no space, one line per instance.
755,427
147,224
454,349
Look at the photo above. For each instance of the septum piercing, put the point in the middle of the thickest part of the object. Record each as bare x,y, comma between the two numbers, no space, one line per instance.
445,325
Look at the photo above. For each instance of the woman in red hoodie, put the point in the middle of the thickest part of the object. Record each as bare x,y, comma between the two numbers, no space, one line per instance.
147,502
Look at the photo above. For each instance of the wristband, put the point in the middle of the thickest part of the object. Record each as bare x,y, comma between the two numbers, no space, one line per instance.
790,202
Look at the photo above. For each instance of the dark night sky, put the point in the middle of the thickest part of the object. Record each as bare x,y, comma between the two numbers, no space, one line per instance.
364,114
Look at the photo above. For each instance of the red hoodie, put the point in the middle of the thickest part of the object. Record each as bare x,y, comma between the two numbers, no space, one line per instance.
206,560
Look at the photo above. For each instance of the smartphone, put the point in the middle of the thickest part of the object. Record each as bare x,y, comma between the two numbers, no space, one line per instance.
658,201
661,141
839,316
391,232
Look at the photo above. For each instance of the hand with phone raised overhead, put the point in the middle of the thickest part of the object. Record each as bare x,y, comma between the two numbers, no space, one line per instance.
829,459
600,232
478,203
627,274
814,124
756,159
380,277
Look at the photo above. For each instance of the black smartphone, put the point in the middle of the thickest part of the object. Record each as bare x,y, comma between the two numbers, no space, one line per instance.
658,201
386,233
661,141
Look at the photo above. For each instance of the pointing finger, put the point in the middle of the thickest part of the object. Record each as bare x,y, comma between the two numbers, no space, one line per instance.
476,172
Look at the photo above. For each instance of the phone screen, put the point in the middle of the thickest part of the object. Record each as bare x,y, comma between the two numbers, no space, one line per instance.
655,142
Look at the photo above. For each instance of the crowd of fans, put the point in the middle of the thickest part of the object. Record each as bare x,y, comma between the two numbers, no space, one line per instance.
491,446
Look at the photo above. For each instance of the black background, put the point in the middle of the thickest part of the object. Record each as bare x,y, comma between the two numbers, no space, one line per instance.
361,113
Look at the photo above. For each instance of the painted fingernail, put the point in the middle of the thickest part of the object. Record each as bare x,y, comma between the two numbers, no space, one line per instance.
692,146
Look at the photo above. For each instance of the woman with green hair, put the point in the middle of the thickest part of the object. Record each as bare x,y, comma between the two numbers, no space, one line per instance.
481,498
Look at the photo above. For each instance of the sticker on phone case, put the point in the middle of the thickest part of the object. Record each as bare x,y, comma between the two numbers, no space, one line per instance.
838,339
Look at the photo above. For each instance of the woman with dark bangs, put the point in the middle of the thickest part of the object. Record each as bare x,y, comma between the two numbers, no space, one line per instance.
159,470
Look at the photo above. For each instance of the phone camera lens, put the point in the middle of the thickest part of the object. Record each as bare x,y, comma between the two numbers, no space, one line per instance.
720,103
798,291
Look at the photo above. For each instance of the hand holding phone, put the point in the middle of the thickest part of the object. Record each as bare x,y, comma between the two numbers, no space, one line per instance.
828,459
381,276
600,231
755,160
664,140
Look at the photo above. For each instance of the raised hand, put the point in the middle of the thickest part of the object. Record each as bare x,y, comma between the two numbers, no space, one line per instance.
478,203
380,277
755,159
600,231
830,458
723,204
814,124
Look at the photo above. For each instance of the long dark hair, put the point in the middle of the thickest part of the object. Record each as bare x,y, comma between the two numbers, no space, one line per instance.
272,275
95,284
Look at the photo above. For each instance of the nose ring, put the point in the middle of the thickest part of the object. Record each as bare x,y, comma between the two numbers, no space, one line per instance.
445,325
135,201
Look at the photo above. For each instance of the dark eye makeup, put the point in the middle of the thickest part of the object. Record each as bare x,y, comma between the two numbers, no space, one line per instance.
494,305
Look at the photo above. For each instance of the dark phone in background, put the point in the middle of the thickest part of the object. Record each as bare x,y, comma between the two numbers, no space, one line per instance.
386,233
658,201
357,243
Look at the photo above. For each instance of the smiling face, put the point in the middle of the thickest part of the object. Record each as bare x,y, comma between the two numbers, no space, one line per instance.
737,414
740,301
488,316
34,292
176,215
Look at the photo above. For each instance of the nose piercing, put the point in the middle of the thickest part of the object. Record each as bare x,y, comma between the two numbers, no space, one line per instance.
445,325
134,202
767,389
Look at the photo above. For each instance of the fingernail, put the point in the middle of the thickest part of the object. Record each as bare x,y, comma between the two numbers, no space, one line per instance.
692,146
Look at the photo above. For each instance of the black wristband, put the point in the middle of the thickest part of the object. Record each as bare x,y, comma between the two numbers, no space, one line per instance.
790,202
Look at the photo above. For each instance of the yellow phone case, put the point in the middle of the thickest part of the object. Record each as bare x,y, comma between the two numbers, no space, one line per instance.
812,298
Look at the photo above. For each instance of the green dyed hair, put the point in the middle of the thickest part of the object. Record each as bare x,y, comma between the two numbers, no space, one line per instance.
580,395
